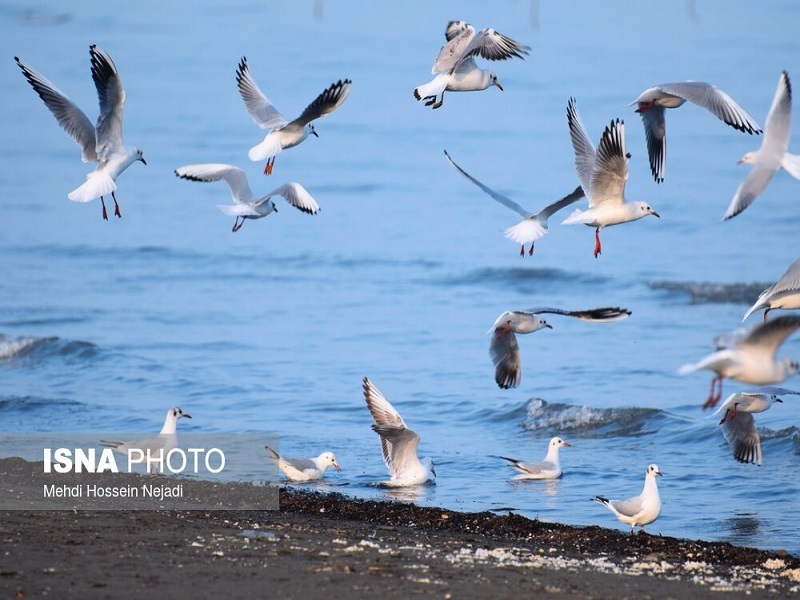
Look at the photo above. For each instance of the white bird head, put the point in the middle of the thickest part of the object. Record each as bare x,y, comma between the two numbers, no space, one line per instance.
493,80
427,462
643,209
557,442
311,130
652,470
139,156
329,460
748,159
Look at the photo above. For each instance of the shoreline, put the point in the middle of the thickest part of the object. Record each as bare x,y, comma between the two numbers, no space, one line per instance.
347,547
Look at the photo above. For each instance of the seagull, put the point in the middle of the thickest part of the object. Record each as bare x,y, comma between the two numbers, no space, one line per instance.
245,205
640,510
749,357
101,143
398,443
504,348
784,293
455,67
548,468
304,469
738,425
774,151
156,448
602,175
282,133
532,226
652,102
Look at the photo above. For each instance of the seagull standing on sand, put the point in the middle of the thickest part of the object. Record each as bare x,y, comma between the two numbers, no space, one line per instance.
738,425
398,443
282,133
749,357
602,175
303,469
640,510
504,348
784,293
245,204
158,447
101,143
532,226
548,468
455,67
773,154
652,102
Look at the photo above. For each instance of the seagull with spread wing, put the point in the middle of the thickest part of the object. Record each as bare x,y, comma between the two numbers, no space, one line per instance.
455,69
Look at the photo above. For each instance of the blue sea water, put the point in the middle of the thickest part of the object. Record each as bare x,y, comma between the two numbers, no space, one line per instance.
399,277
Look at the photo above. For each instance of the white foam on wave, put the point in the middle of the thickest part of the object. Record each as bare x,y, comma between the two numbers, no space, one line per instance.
12,348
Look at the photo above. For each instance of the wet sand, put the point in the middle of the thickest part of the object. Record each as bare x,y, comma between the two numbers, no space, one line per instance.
328,545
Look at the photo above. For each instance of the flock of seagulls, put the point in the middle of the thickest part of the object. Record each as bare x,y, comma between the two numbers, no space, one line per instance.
748,357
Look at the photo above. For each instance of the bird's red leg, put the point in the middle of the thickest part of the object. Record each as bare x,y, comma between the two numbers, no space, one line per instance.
766,312
530,252
268,167
439,103
597,248
644,107
116,206
105,214
725,418
713,396
522,250
733,414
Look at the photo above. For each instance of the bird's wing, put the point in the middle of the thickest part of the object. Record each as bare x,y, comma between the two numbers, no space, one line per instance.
112,100
585,154
611,166
556,206
454,28
714,100
296,195
504,350
326,102
757,179
655,132
742,437
778,127
630,507
789,281
383,413
233,176
507,202
399,447
599,315
71,118
454,51
261,110
770,335
493,45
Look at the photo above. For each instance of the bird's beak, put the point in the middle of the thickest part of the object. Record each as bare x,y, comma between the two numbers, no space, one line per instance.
337,467
144,162
497,83
659,473
433,470
655,214
314,132
778,400
739,162
549,326
186,415
565,444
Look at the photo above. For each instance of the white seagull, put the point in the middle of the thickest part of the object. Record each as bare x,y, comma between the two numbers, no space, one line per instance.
101,143
245,204
504,348
652,102
155,448
750,357
398,443
774,151
455,67
532,226
303,469
784,293
548,468
640,510
282,133
738,425
602,175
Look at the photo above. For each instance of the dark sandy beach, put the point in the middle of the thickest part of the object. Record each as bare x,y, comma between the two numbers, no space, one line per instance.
327,545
